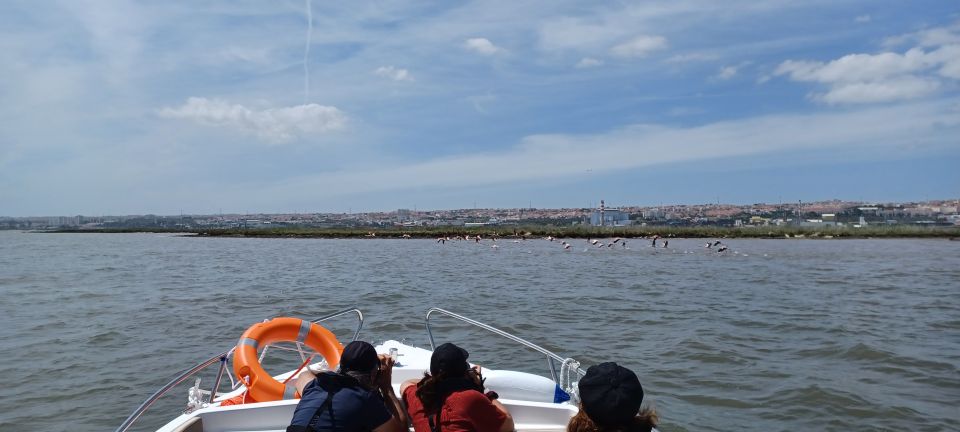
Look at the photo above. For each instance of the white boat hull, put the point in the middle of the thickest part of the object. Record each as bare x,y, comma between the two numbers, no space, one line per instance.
528,397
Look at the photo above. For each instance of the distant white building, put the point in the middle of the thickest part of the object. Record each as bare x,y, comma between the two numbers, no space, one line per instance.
654,214
257,223
609,217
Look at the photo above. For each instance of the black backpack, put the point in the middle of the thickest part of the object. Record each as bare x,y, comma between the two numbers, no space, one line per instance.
331,383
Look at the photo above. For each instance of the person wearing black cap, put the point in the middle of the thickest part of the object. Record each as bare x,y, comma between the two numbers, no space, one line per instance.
357,398
610,401
450,397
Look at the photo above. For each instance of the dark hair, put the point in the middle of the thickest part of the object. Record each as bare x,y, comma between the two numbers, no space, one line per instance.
645,421
432,390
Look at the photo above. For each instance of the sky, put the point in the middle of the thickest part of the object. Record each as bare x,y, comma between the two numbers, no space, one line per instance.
112,107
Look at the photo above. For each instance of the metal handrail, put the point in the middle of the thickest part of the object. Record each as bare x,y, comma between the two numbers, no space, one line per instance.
163,390
133,417
356,334
550,355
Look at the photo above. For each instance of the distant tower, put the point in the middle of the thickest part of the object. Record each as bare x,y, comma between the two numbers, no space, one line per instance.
601,213
799,211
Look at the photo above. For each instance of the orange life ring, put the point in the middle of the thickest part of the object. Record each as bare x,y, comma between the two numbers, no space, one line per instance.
261,386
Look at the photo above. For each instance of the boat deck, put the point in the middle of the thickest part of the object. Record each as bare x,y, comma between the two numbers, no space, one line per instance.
275,416
535,402
528,415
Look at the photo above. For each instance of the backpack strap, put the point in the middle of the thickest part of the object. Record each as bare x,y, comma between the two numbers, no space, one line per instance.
434,421
331,383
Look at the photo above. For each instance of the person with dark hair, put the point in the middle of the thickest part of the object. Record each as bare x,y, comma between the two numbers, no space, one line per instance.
610,401
450,397
358,397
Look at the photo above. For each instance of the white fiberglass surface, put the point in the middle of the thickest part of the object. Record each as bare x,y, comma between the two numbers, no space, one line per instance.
528,414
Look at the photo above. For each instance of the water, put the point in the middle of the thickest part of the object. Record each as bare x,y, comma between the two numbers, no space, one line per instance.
781,335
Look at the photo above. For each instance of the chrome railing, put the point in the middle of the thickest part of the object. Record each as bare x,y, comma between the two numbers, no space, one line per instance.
551,357
222,359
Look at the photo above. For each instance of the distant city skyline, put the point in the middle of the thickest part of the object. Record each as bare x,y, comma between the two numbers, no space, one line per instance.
131,107
952,204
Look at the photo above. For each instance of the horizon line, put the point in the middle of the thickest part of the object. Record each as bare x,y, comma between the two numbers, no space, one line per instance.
715,204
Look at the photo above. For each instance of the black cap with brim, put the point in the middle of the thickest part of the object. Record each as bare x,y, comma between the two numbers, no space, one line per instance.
610,394
359,356
449,359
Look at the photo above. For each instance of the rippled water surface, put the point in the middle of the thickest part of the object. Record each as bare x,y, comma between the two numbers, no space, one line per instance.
772,335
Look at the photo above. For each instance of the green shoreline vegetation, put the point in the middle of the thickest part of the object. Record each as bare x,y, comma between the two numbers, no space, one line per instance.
531,231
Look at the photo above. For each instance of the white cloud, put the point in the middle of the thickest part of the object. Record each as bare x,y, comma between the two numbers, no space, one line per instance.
482,46
862,19
685,111
546,157
857,67
579,35
931,37
116,33
727,72
273,125
880,91
588,62
948,58
730,71
883,77
480,102
692,57
394,73
640,46
254,55
601,25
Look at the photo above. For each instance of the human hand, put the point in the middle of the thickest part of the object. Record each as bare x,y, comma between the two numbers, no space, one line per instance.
385,377
475,375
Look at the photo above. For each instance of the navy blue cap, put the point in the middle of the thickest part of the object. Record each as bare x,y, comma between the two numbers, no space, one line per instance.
610,394
450,359
359,356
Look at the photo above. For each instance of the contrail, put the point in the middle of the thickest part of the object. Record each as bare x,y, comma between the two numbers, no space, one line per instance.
306,54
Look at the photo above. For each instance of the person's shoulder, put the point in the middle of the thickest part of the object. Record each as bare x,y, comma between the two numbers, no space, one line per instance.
409,391
319,381
470,393
468,396
311,387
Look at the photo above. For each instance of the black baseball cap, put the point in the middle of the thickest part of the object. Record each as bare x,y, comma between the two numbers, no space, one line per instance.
359,356
610,394
450,359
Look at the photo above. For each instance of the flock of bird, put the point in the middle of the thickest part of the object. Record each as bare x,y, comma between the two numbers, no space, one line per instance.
664,243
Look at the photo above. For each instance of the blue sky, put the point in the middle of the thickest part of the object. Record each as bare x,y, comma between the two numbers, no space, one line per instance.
126,107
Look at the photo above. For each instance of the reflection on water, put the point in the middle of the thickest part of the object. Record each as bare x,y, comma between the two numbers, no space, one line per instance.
771,335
